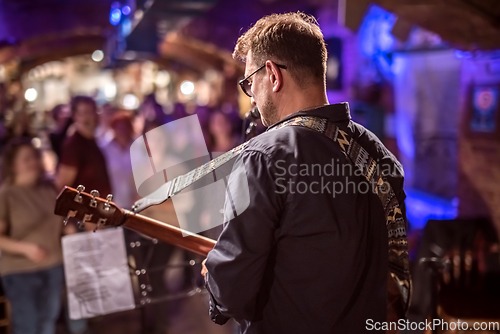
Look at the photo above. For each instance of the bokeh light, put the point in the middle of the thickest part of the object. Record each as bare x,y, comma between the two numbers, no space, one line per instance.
130,101
97,56
31,94
126,10
115,16
187,87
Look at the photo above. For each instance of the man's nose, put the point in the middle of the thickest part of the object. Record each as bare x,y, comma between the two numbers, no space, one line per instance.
252,100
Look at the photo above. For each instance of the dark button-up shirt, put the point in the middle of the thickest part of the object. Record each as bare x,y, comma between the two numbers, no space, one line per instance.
309,254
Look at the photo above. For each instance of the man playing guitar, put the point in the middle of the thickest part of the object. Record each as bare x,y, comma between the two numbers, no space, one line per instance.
321,244
306,257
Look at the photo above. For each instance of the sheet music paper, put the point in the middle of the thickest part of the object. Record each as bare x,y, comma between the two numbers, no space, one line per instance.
97,274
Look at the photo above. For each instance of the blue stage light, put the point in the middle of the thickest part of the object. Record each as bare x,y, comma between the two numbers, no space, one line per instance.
115,16
422,206
126,10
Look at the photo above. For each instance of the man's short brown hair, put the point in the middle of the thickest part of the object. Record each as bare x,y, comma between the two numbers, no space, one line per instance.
292,39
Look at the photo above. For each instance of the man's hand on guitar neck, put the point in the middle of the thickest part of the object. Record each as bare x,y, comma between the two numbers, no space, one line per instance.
204,269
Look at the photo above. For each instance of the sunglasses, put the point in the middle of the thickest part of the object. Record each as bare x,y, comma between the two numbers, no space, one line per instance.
246,85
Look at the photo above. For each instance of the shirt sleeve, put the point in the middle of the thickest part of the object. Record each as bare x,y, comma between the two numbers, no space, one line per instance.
237,263
70,153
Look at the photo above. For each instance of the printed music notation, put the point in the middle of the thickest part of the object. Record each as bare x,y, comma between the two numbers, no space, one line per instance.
97,274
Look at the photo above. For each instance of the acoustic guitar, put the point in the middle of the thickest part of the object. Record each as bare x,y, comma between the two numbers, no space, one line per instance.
90,208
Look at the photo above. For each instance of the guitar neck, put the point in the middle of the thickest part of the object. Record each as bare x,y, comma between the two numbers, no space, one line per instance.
167,233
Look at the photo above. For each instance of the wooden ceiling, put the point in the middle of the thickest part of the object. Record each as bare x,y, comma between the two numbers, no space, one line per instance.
51,29
43,30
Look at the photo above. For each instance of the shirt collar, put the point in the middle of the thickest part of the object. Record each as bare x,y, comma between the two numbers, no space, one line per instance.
333,112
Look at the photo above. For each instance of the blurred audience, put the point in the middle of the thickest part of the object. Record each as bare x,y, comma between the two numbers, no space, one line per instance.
117,154
31,261
82,161
63,121
104,132
179,110
152,114
20,126
93,149
222,132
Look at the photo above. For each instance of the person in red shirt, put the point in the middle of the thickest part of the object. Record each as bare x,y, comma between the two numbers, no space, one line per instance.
82,161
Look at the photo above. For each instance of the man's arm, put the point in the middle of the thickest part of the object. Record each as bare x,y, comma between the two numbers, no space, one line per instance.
66,175
30,250
68,163
236,265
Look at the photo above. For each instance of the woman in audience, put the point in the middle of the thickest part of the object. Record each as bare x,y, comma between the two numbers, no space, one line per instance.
31,260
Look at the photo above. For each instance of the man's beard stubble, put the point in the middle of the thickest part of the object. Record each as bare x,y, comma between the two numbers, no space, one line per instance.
269,113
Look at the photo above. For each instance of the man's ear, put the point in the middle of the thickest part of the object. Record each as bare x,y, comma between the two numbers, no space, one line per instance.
274,75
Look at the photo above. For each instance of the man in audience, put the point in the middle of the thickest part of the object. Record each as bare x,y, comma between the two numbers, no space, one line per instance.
82,162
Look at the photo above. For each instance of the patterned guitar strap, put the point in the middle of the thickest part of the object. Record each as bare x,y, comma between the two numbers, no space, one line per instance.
396,225
395,222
